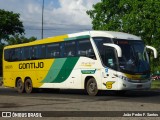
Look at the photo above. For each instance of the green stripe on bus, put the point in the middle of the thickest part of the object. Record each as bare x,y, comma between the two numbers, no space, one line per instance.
60,70
54,70
75,38
66,70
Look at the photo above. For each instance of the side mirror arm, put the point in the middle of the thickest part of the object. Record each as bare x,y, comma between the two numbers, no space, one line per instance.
118,49
154,50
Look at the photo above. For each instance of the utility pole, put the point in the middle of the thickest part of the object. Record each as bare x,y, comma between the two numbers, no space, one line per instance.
42,16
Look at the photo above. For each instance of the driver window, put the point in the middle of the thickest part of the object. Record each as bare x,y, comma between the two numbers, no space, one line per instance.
109,58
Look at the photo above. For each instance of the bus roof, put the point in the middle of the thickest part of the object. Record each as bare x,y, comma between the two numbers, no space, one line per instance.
110,34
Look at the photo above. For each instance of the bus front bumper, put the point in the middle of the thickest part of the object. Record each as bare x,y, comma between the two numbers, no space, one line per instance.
125,85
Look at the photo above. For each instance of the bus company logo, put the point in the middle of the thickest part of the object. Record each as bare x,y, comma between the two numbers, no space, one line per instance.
109,84
31,65
87,64
6,114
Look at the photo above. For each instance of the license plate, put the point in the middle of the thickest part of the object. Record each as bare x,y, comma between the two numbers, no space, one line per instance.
139,86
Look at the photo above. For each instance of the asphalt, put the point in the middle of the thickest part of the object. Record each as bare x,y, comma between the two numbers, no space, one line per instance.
78,100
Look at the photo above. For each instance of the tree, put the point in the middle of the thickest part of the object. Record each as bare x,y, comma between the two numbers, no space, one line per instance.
10,30
14,40
136,17
9,24
20,39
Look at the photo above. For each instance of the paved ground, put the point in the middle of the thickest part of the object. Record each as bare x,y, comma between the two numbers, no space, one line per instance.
77,100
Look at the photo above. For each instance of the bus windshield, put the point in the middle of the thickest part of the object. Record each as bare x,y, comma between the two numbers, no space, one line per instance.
134,58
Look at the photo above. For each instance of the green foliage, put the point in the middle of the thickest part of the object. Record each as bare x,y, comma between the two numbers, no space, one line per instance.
20,39
9,24
155,84
136,17
11,30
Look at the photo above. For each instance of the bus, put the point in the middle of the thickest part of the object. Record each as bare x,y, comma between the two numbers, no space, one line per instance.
91,60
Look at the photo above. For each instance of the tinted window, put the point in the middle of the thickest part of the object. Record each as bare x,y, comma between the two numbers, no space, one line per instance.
70,49
42,51
53,50
35,52
12,55
17,54
108,57
7,55
107,54
85,49
27,53
134,58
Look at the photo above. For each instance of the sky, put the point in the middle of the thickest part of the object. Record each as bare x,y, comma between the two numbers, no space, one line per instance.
60,16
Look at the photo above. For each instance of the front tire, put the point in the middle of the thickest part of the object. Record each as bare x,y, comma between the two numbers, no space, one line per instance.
20,86
91,87
28,86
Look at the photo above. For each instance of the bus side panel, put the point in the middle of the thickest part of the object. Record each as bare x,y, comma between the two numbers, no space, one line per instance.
26,69
7,80
87,67
59,73
71,73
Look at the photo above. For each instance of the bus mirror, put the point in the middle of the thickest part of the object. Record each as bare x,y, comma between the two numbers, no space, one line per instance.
153,49
118,49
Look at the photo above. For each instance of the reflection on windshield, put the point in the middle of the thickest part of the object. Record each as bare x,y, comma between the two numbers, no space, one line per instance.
134,56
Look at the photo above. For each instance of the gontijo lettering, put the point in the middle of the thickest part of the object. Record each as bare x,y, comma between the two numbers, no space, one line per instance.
31,65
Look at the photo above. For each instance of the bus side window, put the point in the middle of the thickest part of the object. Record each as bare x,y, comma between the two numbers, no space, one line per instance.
7,54
12,55
17,55
27,53
62,50
42,51
35,54
85,49
53,50
49,50
56,50
70,49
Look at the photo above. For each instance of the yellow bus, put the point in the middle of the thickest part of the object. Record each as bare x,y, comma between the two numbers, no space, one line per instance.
91,60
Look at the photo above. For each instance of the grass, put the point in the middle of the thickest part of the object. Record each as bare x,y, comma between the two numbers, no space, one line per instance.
155,84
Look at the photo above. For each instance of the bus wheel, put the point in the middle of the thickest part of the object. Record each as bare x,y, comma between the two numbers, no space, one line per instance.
91,87
20,86
28,86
